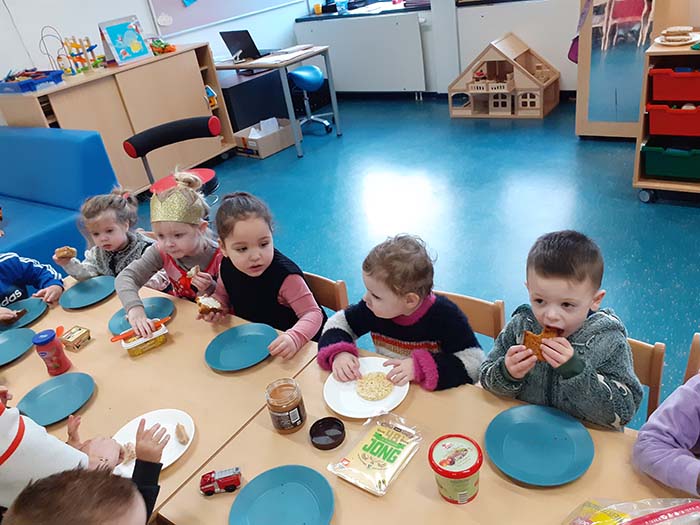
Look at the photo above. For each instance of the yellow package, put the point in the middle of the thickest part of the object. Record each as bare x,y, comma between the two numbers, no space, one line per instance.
383,451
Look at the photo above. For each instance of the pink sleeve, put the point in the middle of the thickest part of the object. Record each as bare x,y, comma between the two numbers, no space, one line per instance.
221,295
295,293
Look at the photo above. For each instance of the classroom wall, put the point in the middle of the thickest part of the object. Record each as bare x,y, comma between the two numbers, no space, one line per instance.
547,26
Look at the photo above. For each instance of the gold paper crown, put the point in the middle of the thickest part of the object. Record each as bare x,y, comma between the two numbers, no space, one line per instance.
176,207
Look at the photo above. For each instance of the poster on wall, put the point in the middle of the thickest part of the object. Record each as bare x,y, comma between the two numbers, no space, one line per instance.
123,40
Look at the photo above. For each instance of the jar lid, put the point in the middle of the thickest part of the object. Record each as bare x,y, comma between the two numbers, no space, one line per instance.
455,456
327,433
44,337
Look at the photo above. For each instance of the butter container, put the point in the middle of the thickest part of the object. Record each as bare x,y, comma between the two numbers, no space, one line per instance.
75,338
136,345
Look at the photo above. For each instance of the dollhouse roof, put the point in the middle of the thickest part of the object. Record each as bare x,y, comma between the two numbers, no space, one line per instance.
508,48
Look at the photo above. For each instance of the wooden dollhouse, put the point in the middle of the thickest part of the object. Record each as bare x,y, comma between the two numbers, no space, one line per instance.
507,80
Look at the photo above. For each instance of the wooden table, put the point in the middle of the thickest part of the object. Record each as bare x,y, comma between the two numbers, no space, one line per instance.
174,375
413,499
282,68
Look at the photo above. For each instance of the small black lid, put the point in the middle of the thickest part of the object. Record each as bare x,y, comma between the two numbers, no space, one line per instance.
327,433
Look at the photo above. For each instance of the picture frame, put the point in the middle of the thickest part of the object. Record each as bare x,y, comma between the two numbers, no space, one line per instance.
123,40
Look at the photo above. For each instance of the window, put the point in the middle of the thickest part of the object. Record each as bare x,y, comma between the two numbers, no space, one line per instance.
500,100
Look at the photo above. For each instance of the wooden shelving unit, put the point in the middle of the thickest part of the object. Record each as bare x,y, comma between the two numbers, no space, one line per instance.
121,101
665,57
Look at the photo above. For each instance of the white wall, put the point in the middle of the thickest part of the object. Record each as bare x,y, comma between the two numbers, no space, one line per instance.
547,26
80,18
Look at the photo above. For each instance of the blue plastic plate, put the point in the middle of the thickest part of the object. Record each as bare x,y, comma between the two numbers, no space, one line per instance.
289,495
240,347
35,308
156,308
539,445
14,343
57,398
86,293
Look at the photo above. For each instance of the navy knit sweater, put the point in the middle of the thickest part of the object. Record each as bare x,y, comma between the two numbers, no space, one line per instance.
437,336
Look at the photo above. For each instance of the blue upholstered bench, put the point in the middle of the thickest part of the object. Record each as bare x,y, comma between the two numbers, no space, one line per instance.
45,175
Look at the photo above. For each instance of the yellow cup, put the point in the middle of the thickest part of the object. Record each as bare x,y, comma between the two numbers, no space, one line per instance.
317,9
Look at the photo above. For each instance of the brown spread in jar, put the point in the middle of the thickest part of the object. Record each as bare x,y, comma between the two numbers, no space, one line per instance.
286,405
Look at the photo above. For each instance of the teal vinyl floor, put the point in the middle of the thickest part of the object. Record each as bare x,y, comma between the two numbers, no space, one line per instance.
480,192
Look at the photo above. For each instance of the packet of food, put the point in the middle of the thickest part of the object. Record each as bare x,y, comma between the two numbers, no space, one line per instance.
386,446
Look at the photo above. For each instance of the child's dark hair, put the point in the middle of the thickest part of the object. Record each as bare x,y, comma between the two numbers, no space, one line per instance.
72,497
239,206
121,202
403,264
567,254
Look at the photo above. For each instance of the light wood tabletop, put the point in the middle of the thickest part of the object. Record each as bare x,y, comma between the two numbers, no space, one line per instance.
270,61
174,375
413,498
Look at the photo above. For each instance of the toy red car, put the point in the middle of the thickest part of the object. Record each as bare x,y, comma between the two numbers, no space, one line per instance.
220,481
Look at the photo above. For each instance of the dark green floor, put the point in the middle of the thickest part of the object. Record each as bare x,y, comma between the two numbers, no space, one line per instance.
479,192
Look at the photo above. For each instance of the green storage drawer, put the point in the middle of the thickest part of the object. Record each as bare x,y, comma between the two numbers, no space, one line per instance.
669,163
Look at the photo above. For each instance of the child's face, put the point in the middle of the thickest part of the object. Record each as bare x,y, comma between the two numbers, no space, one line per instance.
560,303
106,232
383,302
135,513
178,239
249,246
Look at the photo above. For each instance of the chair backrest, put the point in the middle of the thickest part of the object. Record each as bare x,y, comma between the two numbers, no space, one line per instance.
693,358
649,367
328,293
485,317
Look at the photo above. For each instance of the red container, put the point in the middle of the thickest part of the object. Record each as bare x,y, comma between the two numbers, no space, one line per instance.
670,85
666,121
50,349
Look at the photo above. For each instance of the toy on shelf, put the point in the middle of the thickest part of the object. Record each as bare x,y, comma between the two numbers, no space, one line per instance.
507,80
160,46
29,80
218,481
211,96
81,53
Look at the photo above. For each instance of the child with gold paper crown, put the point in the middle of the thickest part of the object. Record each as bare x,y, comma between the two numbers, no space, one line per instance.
190,256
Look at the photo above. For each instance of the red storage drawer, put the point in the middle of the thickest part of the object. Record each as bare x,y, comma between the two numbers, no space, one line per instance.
666,121
670,85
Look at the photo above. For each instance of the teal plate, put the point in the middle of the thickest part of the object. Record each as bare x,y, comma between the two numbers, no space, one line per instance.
156,308
87,293
14,343
57,398
35,308
240,347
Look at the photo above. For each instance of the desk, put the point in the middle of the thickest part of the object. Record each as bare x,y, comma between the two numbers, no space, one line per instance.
174,375
414,499
282,68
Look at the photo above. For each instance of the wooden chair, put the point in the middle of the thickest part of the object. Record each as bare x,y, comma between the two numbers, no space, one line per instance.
693,358
328,293
485,317
649,366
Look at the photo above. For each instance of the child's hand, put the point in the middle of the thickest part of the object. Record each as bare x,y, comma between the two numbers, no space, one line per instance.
213,317
150,443
73,434
103,453
346,367
62,261
283,346
557,351
5,395
141,324
403,371
50,294
203,282
6,314
519,361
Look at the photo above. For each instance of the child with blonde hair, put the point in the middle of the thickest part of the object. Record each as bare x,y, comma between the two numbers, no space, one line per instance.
259,283
108,221
184,249
585,371
427,337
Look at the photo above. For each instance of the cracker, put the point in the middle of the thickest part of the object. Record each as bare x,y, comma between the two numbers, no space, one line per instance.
374,386
533,341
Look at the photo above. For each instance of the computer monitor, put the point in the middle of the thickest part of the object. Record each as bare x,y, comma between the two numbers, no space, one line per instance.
240,44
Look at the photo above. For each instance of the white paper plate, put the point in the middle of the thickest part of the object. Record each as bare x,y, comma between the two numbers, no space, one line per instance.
166,417
694,37
343,399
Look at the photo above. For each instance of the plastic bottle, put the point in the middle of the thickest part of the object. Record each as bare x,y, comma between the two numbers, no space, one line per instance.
50,349
341,6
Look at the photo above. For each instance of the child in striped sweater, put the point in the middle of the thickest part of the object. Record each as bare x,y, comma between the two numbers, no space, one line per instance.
427,337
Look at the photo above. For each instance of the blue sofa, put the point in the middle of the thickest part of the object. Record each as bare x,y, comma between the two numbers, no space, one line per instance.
46,174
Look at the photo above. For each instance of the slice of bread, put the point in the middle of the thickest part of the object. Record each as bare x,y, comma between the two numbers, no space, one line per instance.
193,271
533,341
677,30
65,252
17,317
208,304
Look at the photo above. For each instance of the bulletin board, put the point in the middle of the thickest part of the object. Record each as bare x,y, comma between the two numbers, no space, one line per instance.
176,16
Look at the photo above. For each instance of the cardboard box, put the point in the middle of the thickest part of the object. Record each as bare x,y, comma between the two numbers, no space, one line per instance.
266,145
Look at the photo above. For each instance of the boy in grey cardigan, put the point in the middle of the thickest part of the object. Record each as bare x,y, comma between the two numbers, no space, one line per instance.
587,371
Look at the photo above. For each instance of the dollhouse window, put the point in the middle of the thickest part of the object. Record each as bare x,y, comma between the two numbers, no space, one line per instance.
500,100
528,100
